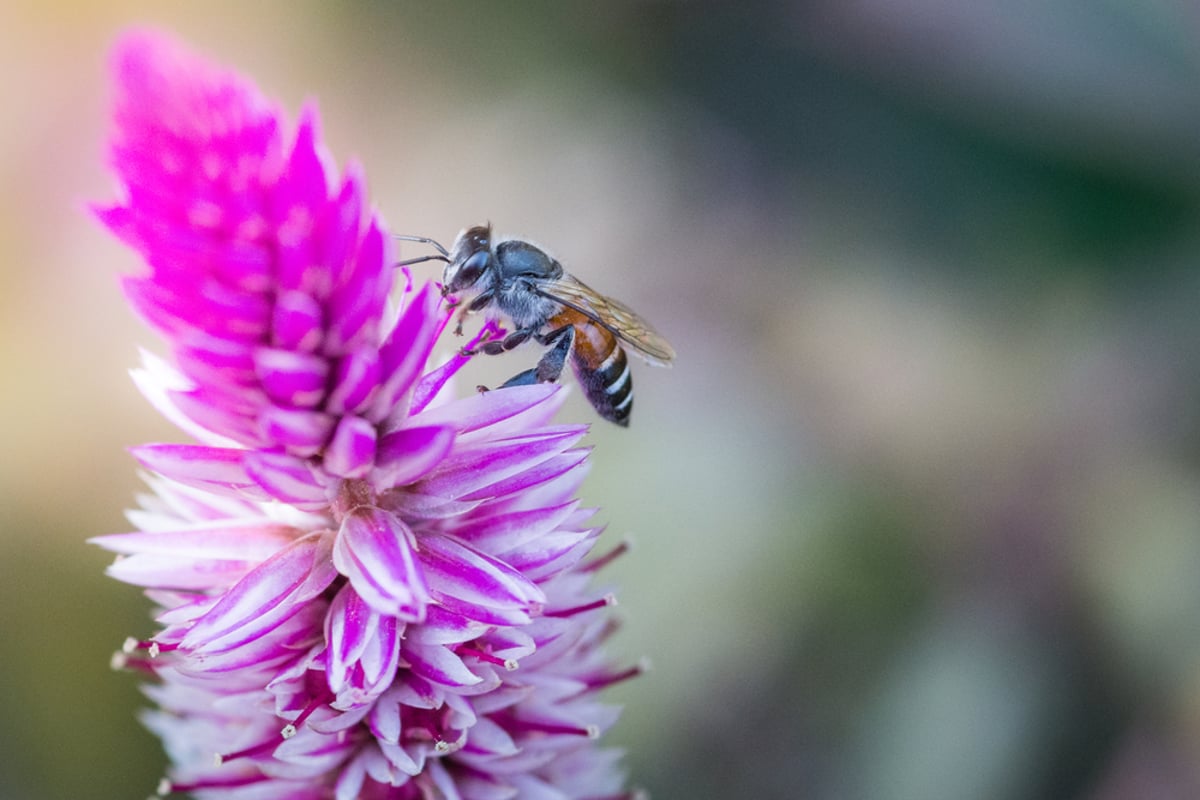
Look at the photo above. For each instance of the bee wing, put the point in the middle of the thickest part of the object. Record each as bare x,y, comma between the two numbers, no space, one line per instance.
617,317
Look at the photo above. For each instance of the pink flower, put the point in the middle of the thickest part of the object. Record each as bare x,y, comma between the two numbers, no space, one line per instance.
366,587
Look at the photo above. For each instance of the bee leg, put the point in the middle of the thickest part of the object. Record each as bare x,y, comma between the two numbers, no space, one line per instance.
550,367
477,304
462,317
497,346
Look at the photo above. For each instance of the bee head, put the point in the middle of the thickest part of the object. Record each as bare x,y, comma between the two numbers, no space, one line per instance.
470,259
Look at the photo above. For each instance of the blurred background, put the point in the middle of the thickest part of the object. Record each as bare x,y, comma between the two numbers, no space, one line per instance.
917,511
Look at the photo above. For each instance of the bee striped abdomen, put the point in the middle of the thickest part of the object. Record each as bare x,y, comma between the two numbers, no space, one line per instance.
601,367
610,388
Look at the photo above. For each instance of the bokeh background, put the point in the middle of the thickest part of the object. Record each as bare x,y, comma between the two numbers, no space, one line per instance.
916,512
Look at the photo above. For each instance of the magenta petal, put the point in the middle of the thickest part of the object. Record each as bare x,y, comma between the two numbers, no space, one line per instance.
209,361
339,227
400,760
253,542
503,532
481,785
469,469
352,776
349,624
271,592
417,692
221,412
351,449
196,465
356,377
406,351
376,551
445,627
308,753
552,554
381,657
409,453
300,432
285,477
358,300
296,321
274,641
489,409
298,198
385,716
488,738
291,378
363,648
164,569
475,585
438,664
527,485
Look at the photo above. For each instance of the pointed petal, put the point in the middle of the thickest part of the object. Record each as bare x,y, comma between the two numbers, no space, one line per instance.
375,550
355,381
475,585
291,379
285,477
196,465
411,452
502,533
236,541
405,352
352,448
469,469
488,409
359,637
270,593
438,664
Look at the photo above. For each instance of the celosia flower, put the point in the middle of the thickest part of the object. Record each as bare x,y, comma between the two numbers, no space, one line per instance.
367,588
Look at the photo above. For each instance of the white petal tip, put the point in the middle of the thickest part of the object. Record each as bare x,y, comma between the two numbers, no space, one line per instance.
164,788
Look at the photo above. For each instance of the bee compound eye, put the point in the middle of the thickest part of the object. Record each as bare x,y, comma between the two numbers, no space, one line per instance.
471,270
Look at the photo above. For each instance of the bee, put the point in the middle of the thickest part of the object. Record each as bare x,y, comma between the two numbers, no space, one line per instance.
516,279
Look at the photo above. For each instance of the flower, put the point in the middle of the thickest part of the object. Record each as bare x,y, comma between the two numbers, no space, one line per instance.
366,586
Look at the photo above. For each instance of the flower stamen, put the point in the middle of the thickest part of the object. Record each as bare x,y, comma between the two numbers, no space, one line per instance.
509,664
153,648
604,681
604,602
167,787
122,661
290,730
262,748
548,728
600,562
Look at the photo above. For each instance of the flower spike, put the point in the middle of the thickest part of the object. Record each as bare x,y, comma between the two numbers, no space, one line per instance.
365,587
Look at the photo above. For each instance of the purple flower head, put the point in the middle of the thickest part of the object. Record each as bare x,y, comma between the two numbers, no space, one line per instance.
366,587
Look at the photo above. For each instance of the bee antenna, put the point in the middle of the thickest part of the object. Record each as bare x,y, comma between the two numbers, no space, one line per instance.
421,259
424,240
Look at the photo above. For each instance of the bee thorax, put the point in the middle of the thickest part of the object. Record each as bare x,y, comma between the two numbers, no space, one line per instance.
525,308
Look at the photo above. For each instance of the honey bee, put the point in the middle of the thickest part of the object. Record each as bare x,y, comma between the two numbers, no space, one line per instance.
516,279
